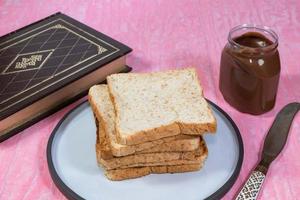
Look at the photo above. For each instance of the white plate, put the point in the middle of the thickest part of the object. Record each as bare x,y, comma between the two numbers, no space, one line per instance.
72,164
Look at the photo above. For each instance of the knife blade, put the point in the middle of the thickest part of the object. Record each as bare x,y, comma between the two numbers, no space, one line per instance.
273,145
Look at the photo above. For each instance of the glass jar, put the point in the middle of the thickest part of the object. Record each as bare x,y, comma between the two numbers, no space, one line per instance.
250,69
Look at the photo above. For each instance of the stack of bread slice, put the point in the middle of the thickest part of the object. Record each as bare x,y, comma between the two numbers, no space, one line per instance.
151,123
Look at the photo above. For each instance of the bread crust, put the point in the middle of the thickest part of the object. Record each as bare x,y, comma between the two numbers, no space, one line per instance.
130,173
110,162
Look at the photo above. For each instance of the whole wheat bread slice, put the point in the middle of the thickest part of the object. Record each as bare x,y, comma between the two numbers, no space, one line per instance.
151,106
135,172
103,110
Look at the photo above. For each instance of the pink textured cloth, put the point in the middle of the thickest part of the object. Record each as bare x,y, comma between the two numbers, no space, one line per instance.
166,34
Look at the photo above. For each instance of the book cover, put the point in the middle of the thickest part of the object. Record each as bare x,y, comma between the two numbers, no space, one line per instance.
45,56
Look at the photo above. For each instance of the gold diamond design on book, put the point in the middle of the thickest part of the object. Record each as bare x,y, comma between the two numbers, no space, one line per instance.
28,61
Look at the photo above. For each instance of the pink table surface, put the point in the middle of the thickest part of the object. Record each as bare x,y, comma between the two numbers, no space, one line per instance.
166,34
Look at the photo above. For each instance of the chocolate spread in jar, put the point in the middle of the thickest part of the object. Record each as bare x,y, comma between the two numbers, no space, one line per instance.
249,74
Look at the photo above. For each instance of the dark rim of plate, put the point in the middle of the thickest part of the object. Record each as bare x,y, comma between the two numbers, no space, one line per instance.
70,194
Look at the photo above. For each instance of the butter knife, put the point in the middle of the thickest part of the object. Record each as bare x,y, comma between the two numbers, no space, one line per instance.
274,143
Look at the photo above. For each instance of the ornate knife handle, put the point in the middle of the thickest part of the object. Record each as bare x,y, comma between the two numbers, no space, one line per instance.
251,188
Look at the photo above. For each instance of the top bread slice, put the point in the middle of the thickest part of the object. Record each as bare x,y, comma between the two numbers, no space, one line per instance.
103,110
155,105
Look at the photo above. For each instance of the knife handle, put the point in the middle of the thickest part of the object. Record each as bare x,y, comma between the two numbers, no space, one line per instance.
251,188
